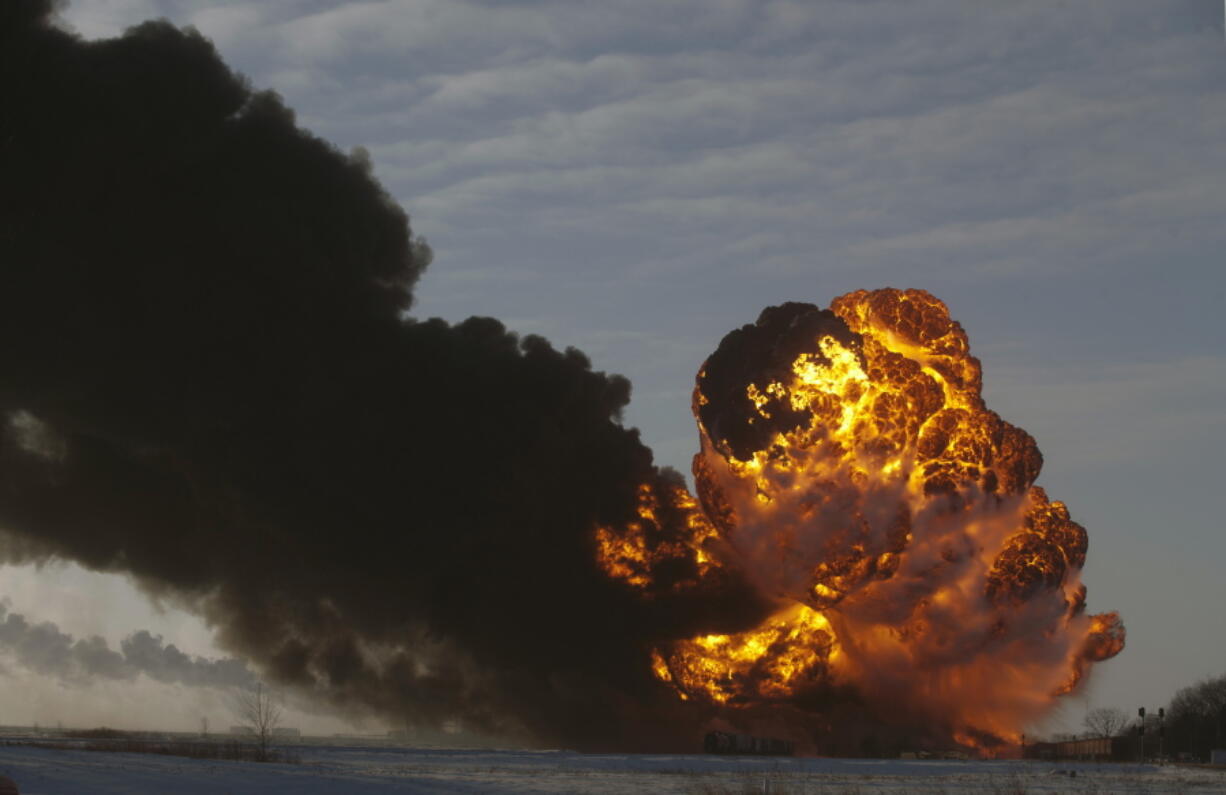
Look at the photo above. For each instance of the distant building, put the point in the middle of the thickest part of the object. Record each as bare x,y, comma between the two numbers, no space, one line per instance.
242,731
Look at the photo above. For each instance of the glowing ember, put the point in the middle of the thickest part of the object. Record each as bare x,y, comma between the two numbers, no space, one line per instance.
850,470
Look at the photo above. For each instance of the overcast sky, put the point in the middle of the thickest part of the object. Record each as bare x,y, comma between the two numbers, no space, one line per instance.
637,178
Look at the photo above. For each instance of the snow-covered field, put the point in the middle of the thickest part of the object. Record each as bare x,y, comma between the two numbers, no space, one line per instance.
389,769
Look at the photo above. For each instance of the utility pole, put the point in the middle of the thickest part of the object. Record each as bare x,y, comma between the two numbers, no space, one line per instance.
1141,733
1161,733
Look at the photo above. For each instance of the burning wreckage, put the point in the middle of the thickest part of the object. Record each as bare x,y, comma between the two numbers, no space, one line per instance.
850,470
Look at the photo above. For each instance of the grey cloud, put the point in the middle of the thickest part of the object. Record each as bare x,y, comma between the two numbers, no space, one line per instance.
165,663
45,649
884,121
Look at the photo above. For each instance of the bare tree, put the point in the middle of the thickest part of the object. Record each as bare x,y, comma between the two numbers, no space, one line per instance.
257,709
1105,721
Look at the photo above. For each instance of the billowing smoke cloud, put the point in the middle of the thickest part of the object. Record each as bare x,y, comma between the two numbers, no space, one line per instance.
44,648
210,384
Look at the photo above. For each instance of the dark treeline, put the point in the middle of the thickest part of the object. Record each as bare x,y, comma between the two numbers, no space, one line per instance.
1194,724
1196,719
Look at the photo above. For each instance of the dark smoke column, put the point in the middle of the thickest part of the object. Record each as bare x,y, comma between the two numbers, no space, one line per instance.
210,384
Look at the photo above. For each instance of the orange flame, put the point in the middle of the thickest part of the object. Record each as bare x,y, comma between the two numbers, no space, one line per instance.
850,469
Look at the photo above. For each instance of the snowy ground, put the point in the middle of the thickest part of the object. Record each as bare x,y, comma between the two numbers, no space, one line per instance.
374,769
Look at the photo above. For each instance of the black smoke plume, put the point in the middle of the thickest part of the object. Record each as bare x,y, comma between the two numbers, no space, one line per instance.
209,382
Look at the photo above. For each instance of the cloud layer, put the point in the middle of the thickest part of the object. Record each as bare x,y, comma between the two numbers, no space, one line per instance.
43,648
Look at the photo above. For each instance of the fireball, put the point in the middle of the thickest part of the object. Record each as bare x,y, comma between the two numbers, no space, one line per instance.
851,472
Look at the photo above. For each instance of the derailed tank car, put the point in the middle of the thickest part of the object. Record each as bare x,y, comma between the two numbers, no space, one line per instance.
746,744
